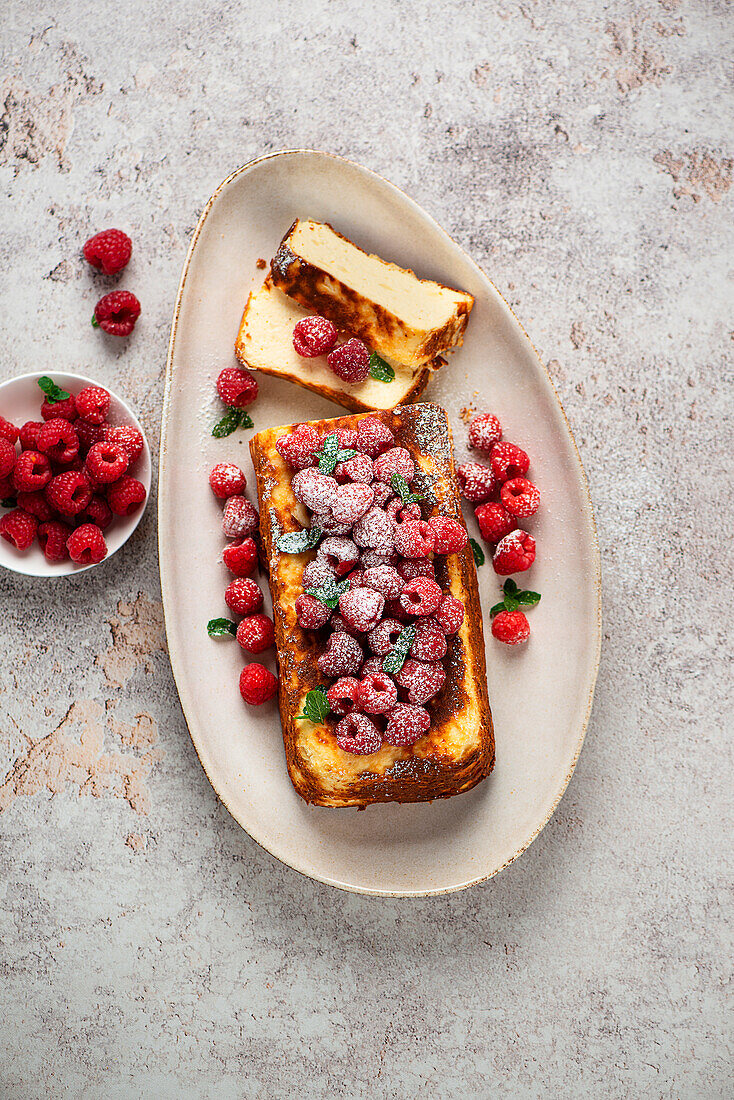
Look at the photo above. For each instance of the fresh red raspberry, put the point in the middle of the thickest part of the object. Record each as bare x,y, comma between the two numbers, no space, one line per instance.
371,666
52,536
227,480
384,579
89,434
126,495
239,519
508,461
98,511
476,481
520,497
18,528
511,627
514,553
356,579
339,553
382,639
394,461
7,457
406,724
55,410
343,694
69,493
429,643
314,336
403,513
93,404
257,684
316,490
383,493
376,694
494,521
421,680
298,448
413,539
256,633
420,596
8,431
448,535
32,472
237,388
325,522
358,468
351,502
393,610
241,558
128,437
375,530
350,361
346,438
243,596
339,625
373,437
418,567
28,435
117,313
484,431
311,613
371,557
361,608
106,462
450,614
343,656
37,505
86,545
358,734
108,251
316,573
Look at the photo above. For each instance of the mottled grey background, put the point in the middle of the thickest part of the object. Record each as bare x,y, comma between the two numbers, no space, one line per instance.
583,153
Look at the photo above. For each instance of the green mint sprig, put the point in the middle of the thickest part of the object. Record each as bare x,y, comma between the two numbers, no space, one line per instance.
217,628
329,592
401,487
53,392
514,598
295,542
331,454
232,419
398,655
380,370
315,706
479,558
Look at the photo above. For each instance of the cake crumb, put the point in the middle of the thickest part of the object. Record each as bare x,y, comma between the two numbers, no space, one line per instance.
467,413
136,842
261,264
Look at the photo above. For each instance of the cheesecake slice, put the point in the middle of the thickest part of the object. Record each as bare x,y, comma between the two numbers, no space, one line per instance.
265,343
405,319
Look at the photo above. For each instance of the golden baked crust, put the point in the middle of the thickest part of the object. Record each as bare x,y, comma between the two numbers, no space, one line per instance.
458,750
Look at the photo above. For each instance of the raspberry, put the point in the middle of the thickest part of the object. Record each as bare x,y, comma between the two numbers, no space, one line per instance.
350,361
342,695
256,633
384,579
368,558
89,434
358,734
227,480
384,636
420,596
106,462
361,608
494,521
395,461
406,724
508,461
351,502
64,410
69,493
429,643
37,505
339,625
413,539
28,435
346,438
7,457
511,627
317,572
420,567
32,471
450,614
257,684
376,694
339,553
476,481
117,313
311,613
371,666
314,336
342,657
373,437
448,535
314,489
239,519
86,545
375,530
393,610
98,511
402,513
520,497
358,468
298,448
241,558
243,596
126,495
93,404
237,388
356,579
109,251
8,431
484,431
52,536
421,680
514,553
18,528
128,437
383,493
326,522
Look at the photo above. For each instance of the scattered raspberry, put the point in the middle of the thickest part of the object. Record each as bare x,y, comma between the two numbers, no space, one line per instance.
413,539
384,636
117,313
32,472
243,596
298,448
448,535
52,536
383,493
93,404
358,734
7,457
395,461
239,518
403,513
98,511
89,434
37,505
361,608
314,336
28,434
106,462
8,431
311,613
508,461
484,431
350,361
406,724
375,530
373,437
126,495
418,567
358,468
86,545
256,633
241,558
69,493
384,579
18,528
237,388
494,521
339,553
227,480
64,410
351,502
450,614
376,694
257,684
343,694
429,643
420,596
128,437
317,572
342,657
520,497
476,481
108,251
421,680
514,553
511,627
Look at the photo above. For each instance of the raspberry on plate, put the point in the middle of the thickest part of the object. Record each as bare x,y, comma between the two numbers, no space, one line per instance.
511,627
108,251
448,535
93,404
420,596
520,497
476,481
8,431
227,480
508,461
243,596
36,504
126,495
89,434
18,528
237,388
116,313
256,633
514,553
406,723
86,545
97,511
128,437
53,410
69,493
350,361
358,734
257,684
52,536
342,695
7,457
494,521
314,336
239,519
106,462
484,431
28,434
32,472
241,558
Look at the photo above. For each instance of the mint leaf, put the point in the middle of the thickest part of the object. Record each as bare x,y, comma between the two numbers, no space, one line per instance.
379,369
9,502
397,656
529,599
246,420
401,487
509,587
328,455
511,604
315,706
479,558
329,593
496,609
232,419
514,597
217,628
53,392
295,542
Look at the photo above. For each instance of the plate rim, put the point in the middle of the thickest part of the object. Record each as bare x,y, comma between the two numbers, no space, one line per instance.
162,539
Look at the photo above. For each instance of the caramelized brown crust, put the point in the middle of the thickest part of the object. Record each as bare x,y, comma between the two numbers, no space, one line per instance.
458,750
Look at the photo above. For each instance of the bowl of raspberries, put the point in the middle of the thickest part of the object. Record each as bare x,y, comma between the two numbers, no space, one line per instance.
75,474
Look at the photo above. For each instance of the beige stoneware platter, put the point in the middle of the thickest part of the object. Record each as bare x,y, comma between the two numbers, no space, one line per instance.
541,694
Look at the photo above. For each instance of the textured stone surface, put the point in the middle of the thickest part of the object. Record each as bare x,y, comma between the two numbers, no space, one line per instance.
583,153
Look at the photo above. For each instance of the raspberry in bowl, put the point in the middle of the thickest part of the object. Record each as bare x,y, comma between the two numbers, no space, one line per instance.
61,432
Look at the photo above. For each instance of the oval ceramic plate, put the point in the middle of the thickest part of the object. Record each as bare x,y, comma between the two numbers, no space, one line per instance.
540,693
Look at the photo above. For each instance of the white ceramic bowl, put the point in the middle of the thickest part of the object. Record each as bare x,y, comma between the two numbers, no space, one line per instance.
20,401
